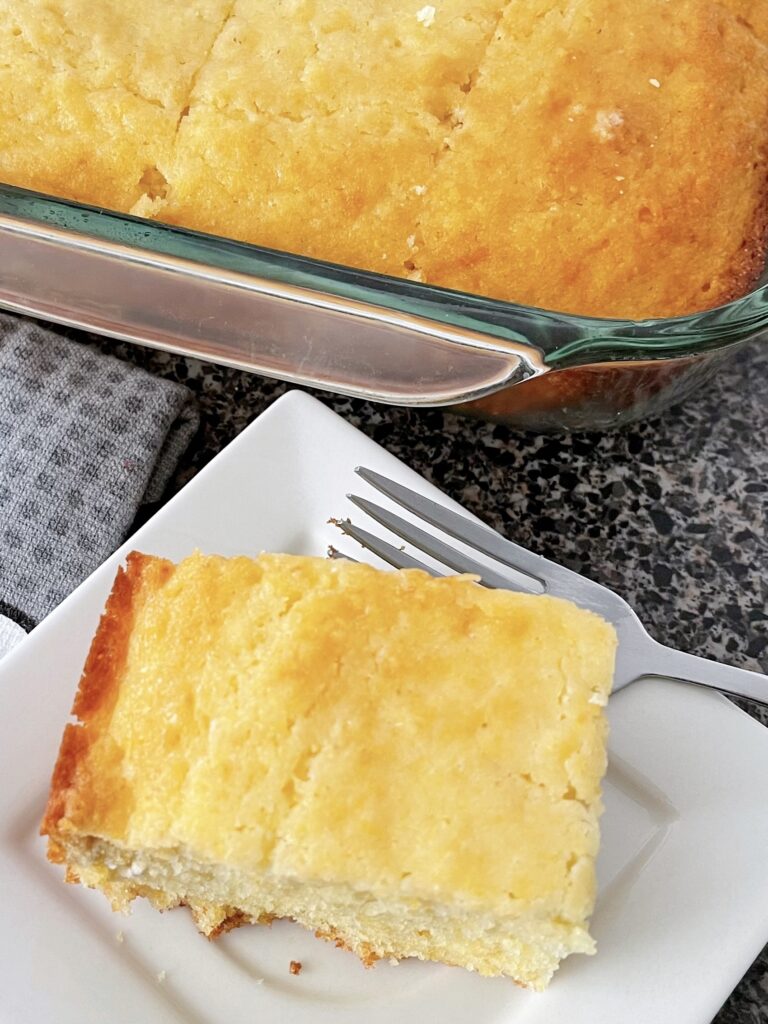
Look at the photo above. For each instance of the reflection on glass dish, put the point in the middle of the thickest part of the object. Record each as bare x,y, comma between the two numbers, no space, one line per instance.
350,331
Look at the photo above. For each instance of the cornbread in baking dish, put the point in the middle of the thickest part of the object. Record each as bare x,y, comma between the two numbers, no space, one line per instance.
409,766
598,156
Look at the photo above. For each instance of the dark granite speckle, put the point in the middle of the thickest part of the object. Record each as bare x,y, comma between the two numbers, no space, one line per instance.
671,514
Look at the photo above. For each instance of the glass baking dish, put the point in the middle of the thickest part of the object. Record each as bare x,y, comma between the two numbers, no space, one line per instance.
351,331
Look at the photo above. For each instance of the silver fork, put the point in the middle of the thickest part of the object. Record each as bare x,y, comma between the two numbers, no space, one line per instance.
638,656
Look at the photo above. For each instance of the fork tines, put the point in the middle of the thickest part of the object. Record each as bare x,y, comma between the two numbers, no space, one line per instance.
472,534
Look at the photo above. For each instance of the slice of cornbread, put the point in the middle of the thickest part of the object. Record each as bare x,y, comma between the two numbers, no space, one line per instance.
409,766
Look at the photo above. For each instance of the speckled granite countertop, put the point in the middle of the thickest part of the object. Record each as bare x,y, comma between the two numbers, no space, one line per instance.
672,514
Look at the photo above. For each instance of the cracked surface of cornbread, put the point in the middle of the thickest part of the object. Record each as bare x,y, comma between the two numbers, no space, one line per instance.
593,157
92,93
313,127
407,765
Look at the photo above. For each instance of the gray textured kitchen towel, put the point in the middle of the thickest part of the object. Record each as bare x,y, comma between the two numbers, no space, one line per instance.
85,439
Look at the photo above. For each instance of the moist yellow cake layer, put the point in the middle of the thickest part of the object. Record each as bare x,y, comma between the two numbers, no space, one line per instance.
301,737
598,157
527,945
92,92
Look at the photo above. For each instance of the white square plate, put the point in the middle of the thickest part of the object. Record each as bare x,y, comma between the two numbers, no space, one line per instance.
683,905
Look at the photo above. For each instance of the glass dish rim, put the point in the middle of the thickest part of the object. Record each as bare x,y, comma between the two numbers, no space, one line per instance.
582,339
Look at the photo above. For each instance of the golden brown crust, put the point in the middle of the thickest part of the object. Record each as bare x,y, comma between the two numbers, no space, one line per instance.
227,925
743,274
110,644
74,743
235,920
365,954
368,958
97,690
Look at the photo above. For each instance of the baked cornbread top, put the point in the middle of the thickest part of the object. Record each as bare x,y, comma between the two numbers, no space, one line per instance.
598,157
329,721
611,159
92,92
313,126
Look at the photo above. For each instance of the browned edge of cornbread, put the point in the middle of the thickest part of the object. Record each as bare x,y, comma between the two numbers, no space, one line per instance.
746,269
97,692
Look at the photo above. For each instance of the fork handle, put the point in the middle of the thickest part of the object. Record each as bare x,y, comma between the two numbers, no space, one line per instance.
689,668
